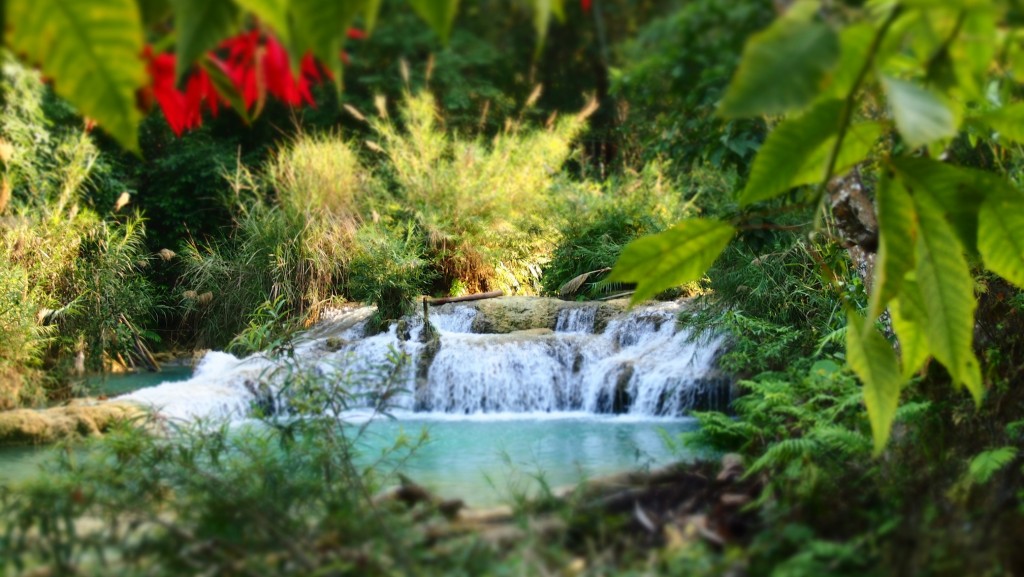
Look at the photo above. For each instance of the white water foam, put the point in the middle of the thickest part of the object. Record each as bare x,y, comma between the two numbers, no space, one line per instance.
641,364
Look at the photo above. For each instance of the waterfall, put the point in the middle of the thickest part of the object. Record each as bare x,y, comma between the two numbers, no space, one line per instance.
583,357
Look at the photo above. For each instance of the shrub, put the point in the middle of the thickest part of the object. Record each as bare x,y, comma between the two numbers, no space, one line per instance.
480,206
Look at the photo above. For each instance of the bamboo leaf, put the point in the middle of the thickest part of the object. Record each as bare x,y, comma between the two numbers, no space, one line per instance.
871,357
681,254
91,50
921,115
1001,235
201,25
897,233
439,14
947,290
782,69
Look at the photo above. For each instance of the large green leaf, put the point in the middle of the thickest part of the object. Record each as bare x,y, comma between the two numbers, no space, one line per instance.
781,158
921,115
874,361
439,14
92,50
783,68
958,191
273,13
201,25
1001,235
897,235
1007,121
947,290
909,318
681,254
320,27
797,152
858,142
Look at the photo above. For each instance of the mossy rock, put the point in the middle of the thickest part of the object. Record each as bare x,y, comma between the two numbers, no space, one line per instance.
79,419
521,313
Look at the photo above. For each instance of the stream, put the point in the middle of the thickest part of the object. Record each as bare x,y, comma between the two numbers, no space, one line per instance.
507,391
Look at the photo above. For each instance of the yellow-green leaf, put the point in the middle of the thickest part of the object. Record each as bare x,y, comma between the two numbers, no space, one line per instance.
957,191
320,26
92,50
200,26
909,318
681,254
781,158
273,13
782,69
873,360
1001,235
439,14
1007,121
921,116
947,291
858,142
897,232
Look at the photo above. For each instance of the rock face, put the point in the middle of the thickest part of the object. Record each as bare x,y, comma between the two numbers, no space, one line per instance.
519,313
81,418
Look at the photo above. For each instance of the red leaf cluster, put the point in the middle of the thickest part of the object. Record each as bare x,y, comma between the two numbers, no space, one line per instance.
256,64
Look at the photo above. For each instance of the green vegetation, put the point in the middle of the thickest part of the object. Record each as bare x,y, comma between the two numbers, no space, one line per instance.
838,183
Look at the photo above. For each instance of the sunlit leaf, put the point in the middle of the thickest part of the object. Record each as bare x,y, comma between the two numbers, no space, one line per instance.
858,142
1007,121
439,14
986,464
957,191
921,115
200,26
320,26
783,69
92,50
273,13
897,234
874,361
681,254
781,158
947,291
1001,235
909,322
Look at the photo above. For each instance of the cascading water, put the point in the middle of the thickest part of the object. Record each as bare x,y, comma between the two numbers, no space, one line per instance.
636,362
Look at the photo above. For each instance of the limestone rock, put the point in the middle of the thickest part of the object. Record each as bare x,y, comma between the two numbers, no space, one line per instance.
80,418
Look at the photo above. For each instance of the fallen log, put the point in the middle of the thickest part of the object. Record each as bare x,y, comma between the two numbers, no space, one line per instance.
476,297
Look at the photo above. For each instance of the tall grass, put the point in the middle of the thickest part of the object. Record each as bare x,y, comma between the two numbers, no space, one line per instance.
481,205
293,230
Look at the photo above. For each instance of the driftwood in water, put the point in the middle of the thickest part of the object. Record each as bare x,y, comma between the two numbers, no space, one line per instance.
476,297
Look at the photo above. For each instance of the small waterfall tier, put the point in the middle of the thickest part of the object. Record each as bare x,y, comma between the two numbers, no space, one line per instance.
507,355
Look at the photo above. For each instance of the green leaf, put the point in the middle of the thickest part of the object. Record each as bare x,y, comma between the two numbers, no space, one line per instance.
858,142
958,191
854,43
1008,121
153,11
201,25
909,318
897,230
92,50
273,13
797,152
947,290
986,464
320,27
921,115
681,254
1001,235
225,87
871,357
439,14
370,13
783,68
781,158
542,11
